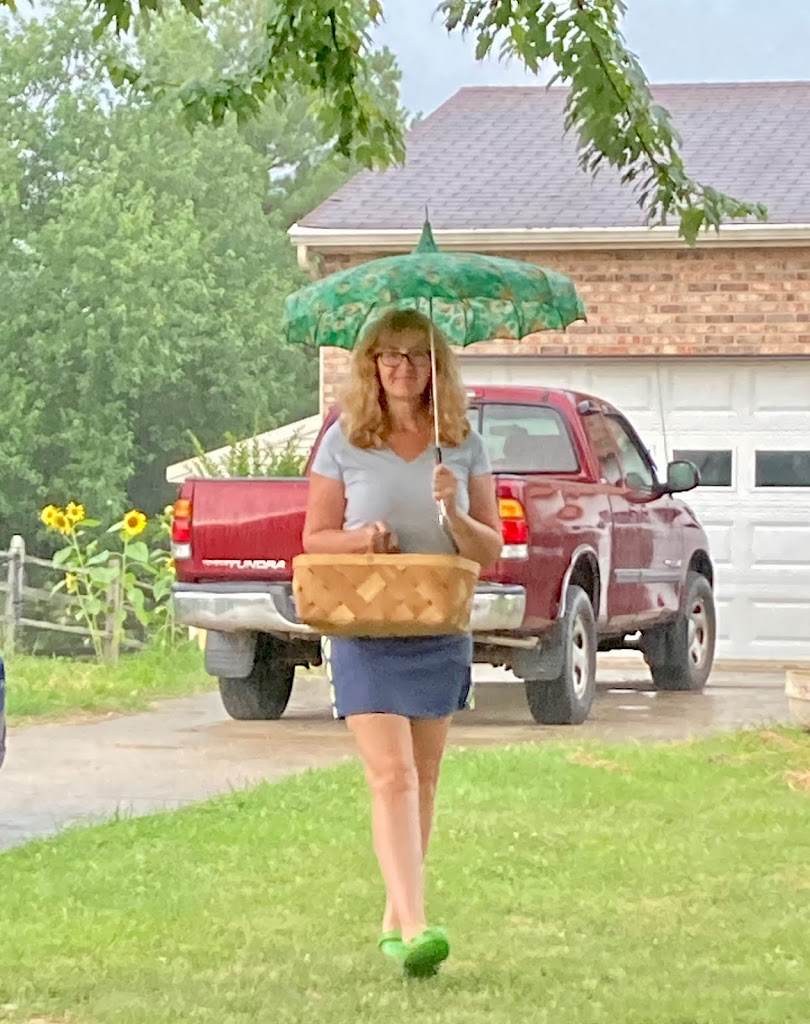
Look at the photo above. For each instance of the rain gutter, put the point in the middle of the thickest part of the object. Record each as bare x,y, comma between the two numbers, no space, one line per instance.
311,240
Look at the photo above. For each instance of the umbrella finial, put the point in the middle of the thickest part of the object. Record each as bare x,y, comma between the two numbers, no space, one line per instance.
427,243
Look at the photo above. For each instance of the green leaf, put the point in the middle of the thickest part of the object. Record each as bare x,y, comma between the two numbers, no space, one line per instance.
137,551
92,605
136,599
163,587
64,556
691,223
103,574
194,7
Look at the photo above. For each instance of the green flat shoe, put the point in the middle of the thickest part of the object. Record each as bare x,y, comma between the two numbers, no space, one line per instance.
425,953
391,944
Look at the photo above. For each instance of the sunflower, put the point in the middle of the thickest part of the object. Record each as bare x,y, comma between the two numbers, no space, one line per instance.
61,522
134,523
71,583
48,514
168,565
75,513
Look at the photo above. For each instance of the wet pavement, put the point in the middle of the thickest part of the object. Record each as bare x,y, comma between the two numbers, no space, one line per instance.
187,750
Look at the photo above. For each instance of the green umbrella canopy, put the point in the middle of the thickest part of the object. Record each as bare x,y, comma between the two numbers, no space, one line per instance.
468,296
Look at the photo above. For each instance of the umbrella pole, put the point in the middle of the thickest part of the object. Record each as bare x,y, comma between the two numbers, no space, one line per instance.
442,511
433,401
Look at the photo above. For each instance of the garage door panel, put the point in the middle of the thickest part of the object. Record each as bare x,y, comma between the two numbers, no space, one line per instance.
779,545
778,623
703,396
701,391
781,400
761,626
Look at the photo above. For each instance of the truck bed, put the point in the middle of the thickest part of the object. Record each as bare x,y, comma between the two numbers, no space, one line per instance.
244,529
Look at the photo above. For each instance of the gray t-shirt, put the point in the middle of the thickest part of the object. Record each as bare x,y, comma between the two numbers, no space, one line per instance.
379,484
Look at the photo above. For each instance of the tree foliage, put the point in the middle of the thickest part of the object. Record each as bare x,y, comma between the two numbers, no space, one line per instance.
142,267
325,46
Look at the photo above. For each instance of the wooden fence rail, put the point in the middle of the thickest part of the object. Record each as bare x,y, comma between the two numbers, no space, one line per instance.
14,590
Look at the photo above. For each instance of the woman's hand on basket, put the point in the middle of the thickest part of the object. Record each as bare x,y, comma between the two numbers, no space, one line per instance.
379,538
445,487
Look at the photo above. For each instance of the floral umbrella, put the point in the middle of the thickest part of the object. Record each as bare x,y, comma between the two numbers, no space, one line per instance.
470,298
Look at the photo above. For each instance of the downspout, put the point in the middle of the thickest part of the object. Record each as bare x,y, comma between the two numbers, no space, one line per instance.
307,262
310,266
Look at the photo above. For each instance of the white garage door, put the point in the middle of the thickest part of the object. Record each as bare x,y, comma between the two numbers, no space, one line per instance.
746,423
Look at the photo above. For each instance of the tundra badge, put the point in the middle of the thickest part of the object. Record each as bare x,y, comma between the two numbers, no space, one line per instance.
247,563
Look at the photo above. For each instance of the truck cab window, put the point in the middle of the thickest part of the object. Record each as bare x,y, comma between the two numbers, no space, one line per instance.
527,439
601,439
635,462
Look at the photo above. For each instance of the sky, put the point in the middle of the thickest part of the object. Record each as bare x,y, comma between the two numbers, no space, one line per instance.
705,41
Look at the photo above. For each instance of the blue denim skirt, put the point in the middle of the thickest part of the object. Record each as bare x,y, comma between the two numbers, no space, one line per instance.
416,677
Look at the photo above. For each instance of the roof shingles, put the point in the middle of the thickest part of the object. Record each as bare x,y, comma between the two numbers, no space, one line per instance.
497,158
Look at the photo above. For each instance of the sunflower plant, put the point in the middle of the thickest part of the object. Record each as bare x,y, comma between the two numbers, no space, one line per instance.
113,574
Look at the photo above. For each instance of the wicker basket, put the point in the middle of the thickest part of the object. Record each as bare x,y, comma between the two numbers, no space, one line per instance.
384,595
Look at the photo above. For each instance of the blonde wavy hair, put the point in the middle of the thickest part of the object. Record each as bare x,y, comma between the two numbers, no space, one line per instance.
364,412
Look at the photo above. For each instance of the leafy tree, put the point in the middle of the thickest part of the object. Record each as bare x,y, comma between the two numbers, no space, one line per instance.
143,267
324,47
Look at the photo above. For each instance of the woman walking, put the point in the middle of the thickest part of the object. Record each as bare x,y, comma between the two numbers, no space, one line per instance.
374,486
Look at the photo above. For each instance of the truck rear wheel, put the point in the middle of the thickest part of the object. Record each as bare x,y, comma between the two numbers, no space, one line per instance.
680,655
262,695
567,699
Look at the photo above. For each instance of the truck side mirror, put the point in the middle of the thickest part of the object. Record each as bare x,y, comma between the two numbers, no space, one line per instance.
682,476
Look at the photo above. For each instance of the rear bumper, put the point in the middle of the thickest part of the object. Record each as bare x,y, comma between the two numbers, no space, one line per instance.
269,608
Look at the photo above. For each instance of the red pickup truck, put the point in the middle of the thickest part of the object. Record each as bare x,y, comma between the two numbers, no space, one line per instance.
598,555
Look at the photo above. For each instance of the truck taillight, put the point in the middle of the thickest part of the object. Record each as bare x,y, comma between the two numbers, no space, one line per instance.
514,528
181,529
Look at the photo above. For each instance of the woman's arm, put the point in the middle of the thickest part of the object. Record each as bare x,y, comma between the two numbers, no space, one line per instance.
478,533
323,526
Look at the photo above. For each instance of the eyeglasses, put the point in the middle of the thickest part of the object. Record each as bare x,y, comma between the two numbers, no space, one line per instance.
391,358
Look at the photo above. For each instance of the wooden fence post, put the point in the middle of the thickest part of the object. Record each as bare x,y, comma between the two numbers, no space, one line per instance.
115,602
15,574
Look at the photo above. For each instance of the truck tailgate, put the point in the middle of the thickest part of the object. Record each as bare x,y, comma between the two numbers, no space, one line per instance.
244,529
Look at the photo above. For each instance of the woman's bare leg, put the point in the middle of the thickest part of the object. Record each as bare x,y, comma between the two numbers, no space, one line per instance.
386,746
429,738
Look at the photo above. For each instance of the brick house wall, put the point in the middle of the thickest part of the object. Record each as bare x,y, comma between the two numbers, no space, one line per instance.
672,302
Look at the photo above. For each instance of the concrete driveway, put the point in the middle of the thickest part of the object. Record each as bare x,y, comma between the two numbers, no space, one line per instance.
187,750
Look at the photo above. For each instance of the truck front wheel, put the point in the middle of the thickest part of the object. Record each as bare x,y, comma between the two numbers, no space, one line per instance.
680,655
567,699
262,695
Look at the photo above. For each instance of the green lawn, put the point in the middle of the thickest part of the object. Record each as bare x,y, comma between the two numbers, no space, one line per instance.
581,885
44,687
